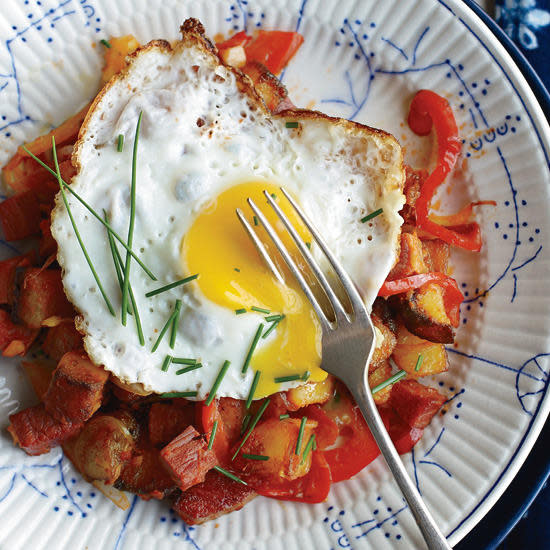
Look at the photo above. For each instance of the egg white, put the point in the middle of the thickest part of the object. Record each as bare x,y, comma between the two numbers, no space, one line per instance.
204,130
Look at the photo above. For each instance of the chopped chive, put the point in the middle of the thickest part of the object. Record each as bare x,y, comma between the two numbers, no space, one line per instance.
273,194
252,348
217,382
93,213
131,224
166,363
246,420
255,457
172,285
253,388
283,416
314,444
260,310
271,318
237,269
272,327
175,322
188,369
213,434
308,244
255,218
252,426
308,448
291,124
163,331
184,361
372,215
289,378
240,311
175,394
419,362
77,233
230,475
300,435
306,376
391,380
118,264
120,143
105,43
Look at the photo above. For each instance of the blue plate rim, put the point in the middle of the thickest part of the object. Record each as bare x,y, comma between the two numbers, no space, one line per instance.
523,497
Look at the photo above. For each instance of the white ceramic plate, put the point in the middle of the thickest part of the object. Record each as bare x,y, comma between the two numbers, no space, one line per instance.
362,60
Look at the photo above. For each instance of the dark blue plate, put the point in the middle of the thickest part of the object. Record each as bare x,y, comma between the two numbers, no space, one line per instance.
510,508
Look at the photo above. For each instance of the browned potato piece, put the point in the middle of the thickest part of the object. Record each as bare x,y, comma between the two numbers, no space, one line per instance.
276,439
102,447
436,255
377,376
381,319
309,394
411,258
423,312
409,347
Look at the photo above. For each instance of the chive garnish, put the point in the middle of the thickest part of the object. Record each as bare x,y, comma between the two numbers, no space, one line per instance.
213,434
105,43
308,244
166,363
271,318
253,388
176,394
120,143
188,369
391,380
163,331
131,224
260,310
309,445
184,361
300,435
255,218
283,416
240,311
252,426
77,233
273,326
174,328
306,376
172,285
419,362
93,213
246,420
217,382
291,124
237,269
273,194
289,378
314,444
118,264
230,475
255,457
372,215
252,348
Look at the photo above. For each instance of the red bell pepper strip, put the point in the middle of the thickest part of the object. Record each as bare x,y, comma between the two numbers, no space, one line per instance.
462,217
452,295
274,49
238,39
427,109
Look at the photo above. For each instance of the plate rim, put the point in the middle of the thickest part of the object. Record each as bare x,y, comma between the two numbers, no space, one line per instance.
514,61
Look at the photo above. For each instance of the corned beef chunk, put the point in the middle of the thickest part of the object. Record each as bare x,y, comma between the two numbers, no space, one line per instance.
168,420
187,458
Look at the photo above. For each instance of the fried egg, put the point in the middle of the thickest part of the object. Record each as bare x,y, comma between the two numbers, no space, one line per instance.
206,144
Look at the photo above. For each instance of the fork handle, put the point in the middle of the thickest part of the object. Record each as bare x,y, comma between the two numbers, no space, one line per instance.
430,531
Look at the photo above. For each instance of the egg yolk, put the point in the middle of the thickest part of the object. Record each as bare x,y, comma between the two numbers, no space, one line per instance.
233,274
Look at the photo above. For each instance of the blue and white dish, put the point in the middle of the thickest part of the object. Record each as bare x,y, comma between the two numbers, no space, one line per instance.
361,59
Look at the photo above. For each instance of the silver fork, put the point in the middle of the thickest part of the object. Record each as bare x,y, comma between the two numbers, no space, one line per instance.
347,345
